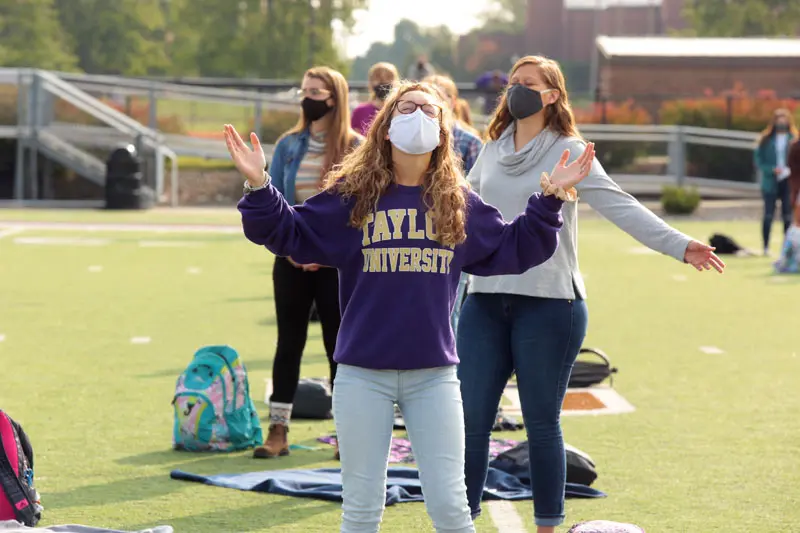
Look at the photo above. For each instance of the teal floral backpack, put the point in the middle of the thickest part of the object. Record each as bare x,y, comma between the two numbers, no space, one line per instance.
212,407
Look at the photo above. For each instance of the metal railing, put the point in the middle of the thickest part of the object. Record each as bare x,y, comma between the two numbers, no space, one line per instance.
91,94
37,94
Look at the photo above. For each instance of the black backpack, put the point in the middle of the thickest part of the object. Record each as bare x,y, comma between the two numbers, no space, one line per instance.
516,461
588,373
724,245
18,498
313,400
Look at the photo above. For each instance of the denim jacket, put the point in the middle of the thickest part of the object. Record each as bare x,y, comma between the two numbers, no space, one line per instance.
286,159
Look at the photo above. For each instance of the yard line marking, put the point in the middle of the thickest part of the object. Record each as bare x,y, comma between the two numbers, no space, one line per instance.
193,270
140,340
778,279
2,337
642,250
95,268
711,350
169,244
679,277
9,231
64,241
505,517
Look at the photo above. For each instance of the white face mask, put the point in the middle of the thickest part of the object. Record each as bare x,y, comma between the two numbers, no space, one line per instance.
415,133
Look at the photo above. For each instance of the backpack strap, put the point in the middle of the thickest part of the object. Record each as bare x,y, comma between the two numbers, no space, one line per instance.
602,355
24,441
24,509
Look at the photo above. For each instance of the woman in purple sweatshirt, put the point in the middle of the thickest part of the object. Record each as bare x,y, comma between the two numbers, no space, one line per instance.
399,222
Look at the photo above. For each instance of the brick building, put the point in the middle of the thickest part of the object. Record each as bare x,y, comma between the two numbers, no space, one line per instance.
659,68
566,30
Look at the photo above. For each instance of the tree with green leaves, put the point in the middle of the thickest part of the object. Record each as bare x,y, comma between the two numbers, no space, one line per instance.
119,37
32,36
742,18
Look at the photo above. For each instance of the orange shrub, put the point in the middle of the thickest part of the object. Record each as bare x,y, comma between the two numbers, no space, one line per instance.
627,112
735,109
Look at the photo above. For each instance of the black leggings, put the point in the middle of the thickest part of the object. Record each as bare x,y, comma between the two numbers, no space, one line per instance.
295,292
770,199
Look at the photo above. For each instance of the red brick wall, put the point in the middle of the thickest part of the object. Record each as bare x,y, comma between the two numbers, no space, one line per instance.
580,31
621,80
545,28
569,34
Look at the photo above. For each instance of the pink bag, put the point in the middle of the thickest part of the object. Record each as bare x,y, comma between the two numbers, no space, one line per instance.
18,499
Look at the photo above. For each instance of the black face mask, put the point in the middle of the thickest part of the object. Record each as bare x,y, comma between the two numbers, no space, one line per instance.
382,91
315,109
523,102
781,128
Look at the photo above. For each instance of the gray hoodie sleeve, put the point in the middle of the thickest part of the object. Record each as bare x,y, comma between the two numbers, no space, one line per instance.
616,205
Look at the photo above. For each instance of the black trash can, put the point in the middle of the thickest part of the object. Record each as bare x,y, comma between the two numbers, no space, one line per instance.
124,186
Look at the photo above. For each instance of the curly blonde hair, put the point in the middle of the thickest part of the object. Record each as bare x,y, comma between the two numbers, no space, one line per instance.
366,173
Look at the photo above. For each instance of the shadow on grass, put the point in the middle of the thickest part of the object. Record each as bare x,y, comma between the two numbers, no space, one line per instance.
132,489
269,514
236,463
155,486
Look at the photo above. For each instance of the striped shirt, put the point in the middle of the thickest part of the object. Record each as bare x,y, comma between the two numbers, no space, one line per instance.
307,182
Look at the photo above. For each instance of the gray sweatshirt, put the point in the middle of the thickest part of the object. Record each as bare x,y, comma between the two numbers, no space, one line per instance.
560,276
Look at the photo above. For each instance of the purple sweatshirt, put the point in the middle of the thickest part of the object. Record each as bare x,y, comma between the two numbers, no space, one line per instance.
397,285
362,117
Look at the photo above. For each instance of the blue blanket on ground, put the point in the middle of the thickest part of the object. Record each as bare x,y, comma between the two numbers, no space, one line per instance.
402,485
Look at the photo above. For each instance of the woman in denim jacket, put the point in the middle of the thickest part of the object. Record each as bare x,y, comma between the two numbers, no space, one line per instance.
302,158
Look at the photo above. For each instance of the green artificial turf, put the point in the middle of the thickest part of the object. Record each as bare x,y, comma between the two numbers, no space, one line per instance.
712,446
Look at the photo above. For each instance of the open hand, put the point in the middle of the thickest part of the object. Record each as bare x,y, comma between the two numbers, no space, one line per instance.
250,162
702,257
567,176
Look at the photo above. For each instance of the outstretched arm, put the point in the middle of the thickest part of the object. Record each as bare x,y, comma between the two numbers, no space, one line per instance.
309,233
627,213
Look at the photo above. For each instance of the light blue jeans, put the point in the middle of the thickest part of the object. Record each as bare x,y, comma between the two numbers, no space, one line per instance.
363,410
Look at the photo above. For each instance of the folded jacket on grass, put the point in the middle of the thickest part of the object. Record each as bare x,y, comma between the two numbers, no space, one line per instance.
402,484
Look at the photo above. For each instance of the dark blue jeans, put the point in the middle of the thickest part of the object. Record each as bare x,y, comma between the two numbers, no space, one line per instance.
770,199
539,339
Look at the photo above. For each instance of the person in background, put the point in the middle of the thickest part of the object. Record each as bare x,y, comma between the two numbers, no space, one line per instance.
771,158
492,84
468,145
789,260
463,111
420,69
399,222
533,324
302,158
794,173
382,78
466,140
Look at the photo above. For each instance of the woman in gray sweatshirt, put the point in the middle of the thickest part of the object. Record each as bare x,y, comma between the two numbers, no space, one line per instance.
533,324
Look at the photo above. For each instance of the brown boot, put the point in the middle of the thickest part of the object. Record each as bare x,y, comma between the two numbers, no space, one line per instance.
276,445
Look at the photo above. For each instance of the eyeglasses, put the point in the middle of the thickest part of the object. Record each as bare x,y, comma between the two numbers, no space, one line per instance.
313,93
406,107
